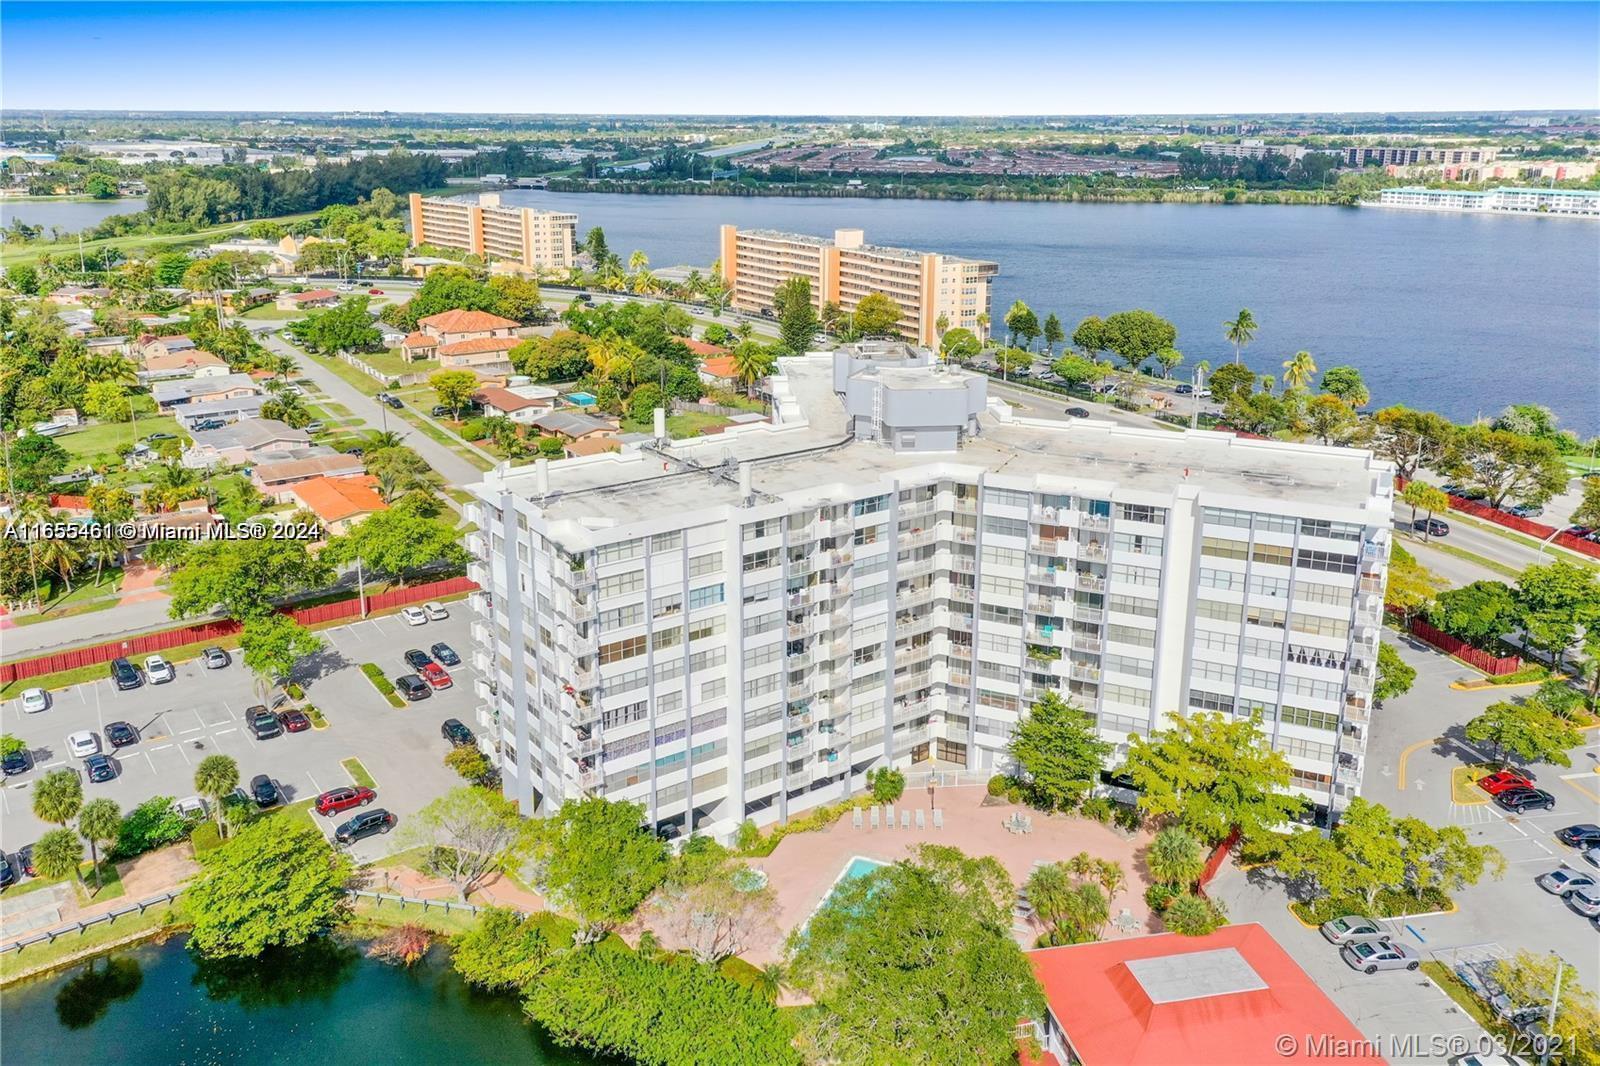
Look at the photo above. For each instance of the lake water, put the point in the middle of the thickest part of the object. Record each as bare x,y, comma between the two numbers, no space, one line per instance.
327,1003
69,216
1456,313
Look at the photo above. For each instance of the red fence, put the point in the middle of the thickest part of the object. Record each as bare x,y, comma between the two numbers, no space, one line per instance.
1494,665
150,643
1521,525
1219,855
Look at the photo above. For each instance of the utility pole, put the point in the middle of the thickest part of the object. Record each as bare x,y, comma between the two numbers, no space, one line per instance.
1550,1019
1194,412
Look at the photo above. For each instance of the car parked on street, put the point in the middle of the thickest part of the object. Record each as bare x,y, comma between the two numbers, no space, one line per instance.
264,790
158,670
1433,527
336,800
445,654
294,720
413,616
35,700
121,734
1077,412
1517,800
416,658
1582,835
363,825
456,733
124,676
412,687
214,658
1564,882
435,611
16,762
100,767
82,744
1504,780
1370,956
1352,928
264,725
436,676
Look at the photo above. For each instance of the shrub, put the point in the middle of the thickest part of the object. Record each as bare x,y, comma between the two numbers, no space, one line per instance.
405,944
748,836
204,838
1126,817
887,784
384,686
295,691
998,784
153,824
1099,808
474,429
1390,903
315,714
1157,896
1015,793
1190,915
819,818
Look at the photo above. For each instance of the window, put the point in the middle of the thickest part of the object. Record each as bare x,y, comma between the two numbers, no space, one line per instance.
760,560
1305,686
1144,638
1276,554
1128,694
621,617
662,606
1005,527
622,649
869,506
670,637
1134,605
1136,575
758,657
1004,586
1002,556
989,641
1310,719
1337,628
1204,671
1314,593
1223,549
1264,616
760,686
1275,523
761,590
705,597
1210,701
1263,585
1217,610
1138,512
765,528
1331,562
762,623
622,584
1228,580
1314,527
1224,642
1139,543
619,553
701,565
1127,664
711,690
1265,649
707,627
1007,497
664,543
1259,678
1217,516
998,671
1306,749
1004,615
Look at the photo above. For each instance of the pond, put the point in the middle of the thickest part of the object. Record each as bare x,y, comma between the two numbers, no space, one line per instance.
326,1002
69,216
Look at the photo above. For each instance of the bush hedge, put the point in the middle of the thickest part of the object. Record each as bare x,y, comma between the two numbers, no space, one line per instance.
1389,904
820,818
205,837
384,686
153,824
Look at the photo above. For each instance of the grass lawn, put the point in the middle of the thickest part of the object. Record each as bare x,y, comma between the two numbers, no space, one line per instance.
105,603
394,364
103,439
375,916
362,383
1472,557
679,427
45,955
358,773
16,255
111,887
270,313
1464,788
86,596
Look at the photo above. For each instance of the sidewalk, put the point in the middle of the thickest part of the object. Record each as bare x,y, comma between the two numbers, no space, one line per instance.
127,619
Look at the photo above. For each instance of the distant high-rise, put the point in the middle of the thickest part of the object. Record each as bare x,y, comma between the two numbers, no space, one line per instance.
520,237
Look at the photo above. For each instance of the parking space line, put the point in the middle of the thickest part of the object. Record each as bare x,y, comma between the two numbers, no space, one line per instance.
230,729
316,789
1573,779
150,760
196,729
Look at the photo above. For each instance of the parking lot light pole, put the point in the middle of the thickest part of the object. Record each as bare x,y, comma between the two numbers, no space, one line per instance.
1550,1019
1194,412
361,587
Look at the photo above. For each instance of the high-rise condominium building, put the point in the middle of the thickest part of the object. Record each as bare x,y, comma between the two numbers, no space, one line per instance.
845,270
891,572
519,237
1384,156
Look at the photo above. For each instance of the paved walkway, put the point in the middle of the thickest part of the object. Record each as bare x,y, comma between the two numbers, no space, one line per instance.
125,619
139,585
148,875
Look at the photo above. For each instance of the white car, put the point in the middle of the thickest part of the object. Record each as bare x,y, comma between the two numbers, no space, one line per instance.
157,670
413,616
193,808
35,700
1591,856
1564,882
83,744
435,610
1585,900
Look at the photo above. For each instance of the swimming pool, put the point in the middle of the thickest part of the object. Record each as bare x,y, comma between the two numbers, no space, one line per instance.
581,399
858,867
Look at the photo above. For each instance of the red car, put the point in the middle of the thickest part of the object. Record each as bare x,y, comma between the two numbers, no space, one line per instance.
335,800
294,721
374,292
1504,781
435,676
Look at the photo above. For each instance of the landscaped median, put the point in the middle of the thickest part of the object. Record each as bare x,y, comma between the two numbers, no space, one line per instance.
384,686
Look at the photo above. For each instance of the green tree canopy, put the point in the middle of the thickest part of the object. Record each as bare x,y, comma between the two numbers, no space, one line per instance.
273,644
1410,439
959,345
798,324
455,388
1556,602
1527,730
1021,322
58,796
398,542
1346,383
1135,336
346,328
877,315
244,578
1090,336
1507,465
1479,613
1395,675
58,854
1077,372
600,862
470,833
99,823
1060,752
1231,381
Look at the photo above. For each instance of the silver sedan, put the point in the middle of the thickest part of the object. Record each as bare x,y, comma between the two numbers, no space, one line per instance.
1370,956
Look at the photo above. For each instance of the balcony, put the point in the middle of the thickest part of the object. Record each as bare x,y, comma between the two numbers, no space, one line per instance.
1084,672
962,594
1092,550
1048,545
913,682
478,574
1093,521
843,556
963,535
798,630
917,539
1092,615
584,679
798,746
1357,709
588,780
1081,642
478,544
582,646
1089,582
965,504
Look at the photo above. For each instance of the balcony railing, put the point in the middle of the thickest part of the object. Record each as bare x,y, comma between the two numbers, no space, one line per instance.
1092,550
962,594
1084,672
1093,521
1090,582
1086,643
1088,614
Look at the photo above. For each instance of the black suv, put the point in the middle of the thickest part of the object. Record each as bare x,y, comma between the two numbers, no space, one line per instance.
364,825
417,659
263,790
412,687
15,762
456,733
263,723
446,654
121,734
123,674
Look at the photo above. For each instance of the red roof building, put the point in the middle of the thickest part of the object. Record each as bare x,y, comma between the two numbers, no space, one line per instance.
1231,997
462,321
701,348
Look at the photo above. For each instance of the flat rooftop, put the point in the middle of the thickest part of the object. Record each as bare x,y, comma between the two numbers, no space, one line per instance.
815,456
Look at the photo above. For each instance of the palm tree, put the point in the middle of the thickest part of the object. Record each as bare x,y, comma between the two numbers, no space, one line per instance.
59,555
1241,331
770,982
108,366
57,854
638,261
1175,857
284,364
98,823
57,797
377,440
751,362
216,776
983,325
1299,371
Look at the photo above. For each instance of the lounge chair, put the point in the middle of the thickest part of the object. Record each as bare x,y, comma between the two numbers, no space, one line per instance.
905,819
888,814
874,818
938,817
855,819
922,822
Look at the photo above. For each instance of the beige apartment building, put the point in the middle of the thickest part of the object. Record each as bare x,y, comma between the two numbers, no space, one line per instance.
845,269
517,238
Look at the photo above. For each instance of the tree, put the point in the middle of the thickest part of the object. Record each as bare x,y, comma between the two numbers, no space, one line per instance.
1442,858
1175,858
719,913
1190,915
244,578
99,822
57,797
1012,360
1260,413
1395,675
1555,603
398,542
1232,382
1076,372
346,328
34,461
272,644
1060,753
959,346
798,324
1420,494
454,388
1169,359
1410,439
1054,334
1345,382
107,401
599,861
915,963
1299,371
1240,332
400,470
1588,512
1528,979
1021,322
886,783
216,777
470,833
519,298
1479,613
1135,336
1328,417
58,854
504,951
877,316
277,883
10,745
470,763
1508,465
1214,774
752,362
1526,729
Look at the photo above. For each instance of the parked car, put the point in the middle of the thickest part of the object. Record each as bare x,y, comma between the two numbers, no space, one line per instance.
364,825
1433,527
162,436
445,654
1517,800
214,658
35,700
1077,412
1585,899
16,762
124,676
314,426
264,790
416,658
100,767
1351,929
192,808
457,733
294,721
83,744
336,800
121,734
25,860
393,401
8,876
413,616
1183,390
158,670
1504,780
435,676
412,687
1370,956
435,611
264,725
1564,882
1525,510
1592,856
1582,835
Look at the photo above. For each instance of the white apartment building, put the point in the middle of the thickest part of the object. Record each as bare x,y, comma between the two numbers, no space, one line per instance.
515,238
1572,203
891,573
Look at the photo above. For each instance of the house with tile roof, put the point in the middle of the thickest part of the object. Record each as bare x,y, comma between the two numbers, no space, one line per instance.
523,405
338,502
187,363
276,478
306,301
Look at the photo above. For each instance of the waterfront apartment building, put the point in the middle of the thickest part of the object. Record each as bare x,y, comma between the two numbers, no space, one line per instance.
1372,155
1255,148
845,269
516,238
890,573
1567,203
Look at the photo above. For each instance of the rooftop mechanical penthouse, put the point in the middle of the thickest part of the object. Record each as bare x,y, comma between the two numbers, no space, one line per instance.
891,572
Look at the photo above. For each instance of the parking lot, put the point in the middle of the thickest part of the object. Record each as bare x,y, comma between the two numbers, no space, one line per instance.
202,711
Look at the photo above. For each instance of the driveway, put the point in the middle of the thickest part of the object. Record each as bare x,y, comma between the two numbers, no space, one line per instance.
202,713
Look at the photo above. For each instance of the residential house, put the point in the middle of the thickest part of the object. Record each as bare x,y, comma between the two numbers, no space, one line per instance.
150,344
274,479
489,354
419,345
106,345
191,363
515,405
170,394
338,502
78,295
719,372
571,426
306,301
593,445
701,349
232,410
452,327
243,443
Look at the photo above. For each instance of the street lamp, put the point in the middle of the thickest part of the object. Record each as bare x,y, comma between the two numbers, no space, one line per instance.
1199,380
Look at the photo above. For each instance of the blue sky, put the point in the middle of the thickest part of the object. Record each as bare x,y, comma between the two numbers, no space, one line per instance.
799,58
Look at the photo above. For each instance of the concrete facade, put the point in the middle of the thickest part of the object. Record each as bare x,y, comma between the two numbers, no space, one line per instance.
519,237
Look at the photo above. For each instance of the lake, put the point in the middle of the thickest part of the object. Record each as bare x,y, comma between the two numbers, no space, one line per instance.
323,1003
69,216
1457,313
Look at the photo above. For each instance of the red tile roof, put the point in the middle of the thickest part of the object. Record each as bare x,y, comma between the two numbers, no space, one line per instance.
313,294
502,400
720,367
419,339
479,345
335,499
701,347
459,321
1113,1015
70,503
